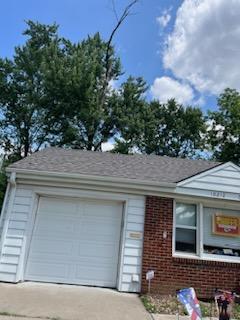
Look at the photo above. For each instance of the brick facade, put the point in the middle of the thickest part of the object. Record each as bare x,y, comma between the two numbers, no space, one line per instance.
174,273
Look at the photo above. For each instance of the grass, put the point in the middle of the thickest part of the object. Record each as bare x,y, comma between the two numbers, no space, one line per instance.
10,314
170,305
149,306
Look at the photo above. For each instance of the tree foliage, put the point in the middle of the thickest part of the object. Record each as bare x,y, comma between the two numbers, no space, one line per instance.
131,112
177,130
224,127
25,123
75,84
55,91
162,129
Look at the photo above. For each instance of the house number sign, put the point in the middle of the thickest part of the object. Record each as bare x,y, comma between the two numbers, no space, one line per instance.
225,195
135,235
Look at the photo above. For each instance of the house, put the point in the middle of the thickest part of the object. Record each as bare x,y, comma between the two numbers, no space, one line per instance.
102,219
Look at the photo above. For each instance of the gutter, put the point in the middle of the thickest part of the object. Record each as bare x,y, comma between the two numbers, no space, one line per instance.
72,178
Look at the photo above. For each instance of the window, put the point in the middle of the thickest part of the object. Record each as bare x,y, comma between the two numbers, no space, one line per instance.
186,228
226,240
207,232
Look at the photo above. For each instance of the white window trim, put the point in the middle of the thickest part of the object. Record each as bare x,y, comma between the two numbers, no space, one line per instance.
200,255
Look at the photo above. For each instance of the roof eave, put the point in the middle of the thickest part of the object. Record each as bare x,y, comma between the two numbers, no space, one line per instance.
64,177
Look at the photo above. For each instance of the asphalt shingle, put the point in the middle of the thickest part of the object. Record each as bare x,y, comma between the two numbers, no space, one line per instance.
141,167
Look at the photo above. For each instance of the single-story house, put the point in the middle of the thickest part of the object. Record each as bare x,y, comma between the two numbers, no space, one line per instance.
102,219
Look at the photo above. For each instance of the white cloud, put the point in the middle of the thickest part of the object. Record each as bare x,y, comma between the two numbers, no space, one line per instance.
165,88
204,47
107,146
164,19
113,85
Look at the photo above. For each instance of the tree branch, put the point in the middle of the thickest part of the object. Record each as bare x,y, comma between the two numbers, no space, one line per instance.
120,20
125,14
114,10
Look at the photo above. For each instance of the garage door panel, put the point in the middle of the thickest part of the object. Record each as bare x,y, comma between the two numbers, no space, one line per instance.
101,250
47,270
94,263
92,228
60,206
87,236
99,209
79,240
94,273
99,235
75,261
45,246
102,221
58,215
50,226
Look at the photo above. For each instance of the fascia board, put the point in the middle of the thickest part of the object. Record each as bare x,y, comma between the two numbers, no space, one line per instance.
81,178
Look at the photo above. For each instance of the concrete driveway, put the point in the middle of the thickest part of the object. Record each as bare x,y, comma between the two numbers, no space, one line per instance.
66,302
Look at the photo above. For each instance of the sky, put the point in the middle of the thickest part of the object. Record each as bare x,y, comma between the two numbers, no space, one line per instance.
188,49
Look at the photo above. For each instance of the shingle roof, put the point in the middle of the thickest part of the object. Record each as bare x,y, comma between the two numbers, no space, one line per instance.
141,167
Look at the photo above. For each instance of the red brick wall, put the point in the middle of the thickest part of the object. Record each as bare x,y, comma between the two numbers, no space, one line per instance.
175,273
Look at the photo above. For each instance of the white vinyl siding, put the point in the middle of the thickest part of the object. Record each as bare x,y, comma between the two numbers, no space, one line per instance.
222,182
14,231
15,244
132,261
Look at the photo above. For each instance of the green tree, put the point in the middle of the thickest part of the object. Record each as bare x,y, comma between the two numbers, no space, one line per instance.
75,84
131,114
54,91
57,92
154,128
175,131
224,127
80,84
25,117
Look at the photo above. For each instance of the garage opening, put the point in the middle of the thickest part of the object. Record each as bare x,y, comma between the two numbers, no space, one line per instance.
75,242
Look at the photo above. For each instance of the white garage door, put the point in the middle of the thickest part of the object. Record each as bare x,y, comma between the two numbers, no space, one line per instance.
75,242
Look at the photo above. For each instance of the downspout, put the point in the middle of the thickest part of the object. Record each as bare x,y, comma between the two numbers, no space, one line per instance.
4,208
11,188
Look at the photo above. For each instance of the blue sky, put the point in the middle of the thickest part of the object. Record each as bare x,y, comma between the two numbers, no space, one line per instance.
186,49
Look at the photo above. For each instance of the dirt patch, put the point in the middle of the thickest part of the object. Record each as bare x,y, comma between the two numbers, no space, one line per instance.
169,305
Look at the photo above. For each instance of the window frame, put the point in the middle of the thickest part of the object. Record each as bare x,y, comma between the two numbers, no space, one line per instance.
185,227
200,255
